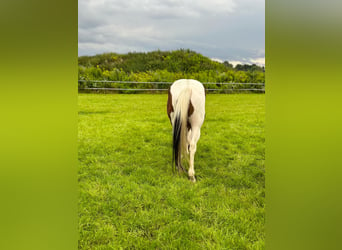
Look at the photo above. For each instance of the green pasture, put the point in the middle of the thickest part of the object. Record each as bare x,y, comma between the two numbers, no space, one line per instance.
129,197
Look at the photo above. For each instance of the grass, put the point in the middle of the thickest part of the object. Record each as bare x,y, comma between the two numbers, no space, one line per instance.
130,198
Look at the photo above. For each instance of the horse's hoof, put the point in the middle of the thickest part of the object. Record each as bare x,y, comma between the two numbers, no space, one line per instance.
192,179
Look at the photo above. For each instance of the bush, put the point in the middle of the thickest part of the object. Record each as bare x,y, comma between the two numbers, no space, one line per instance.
158,66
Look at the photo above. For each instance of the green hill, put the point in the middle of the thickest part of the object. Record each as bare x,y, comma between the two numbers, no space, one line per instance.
168,66
173,61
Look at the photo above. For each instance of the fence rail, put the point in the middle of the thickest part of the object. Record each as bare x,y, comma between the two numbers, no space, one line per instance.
221,83
224,90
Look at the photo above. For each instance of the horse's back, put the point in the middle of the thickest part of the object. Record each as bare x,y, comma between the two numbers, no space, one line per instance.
194,85
197,90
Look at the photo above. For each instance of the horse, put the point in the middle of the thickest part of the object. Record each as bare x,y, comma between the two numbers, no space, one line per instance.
186,112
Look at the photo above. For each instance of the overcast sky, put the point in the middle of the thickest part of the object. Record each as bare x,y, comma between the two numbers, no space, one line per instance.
232,30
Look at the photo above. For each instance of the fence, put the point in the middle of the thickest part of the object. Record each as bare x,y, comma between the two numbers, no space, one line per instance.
162,86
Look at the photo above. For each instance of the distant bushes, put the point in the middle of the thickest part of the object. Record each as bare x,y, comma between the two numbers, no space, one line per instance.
161,66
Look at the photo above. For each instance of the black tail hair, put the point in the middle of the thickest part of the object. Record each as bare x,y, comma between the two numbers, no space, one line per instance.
176,143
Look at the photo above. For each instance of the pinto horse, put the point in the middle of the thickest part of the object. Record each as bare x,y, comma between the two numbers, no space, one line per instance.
186,111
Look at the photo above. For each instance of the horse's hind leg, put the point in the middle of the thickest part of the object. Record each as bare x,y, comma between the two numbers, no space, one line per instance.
193,142
188,141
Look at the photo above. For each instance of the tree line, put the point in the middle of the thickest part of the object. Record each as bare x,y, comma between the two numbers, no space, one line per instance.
162,66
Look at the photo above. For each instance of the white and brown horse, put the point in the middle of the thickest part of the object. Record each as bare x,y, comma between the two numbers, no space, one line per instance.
186,111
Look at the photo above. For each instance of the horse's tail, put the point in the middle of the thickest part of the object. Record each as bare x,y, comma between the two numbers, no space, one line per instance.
180,126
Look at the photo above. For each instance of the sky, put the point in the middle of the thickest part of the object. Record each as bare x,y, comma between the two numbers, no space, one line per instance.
223,30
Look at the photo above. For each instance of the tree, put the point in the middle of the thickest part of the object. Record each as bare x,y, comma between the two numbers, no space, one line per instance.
228,65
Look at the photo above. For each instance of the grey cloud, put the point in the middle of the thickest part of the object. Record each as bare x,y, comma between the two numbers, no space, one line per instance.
225,29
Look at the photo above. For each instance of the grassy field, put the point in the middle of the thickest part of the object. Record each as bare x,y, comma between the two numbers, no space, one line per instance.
129,198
